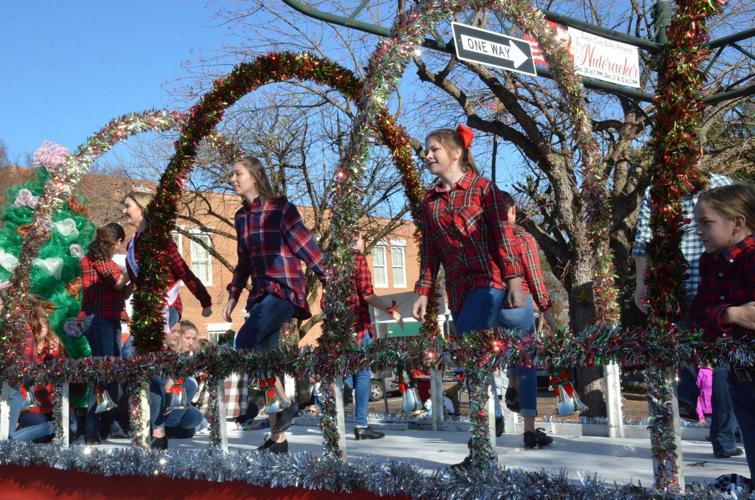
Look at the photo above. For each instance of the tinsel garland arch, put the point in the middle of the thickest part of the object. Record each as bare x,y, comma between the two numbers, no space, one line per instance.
58,191
245,78
676,143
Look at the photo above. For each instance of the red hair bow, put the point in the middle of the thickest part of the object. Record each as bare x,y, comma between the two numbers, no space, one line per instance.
466,134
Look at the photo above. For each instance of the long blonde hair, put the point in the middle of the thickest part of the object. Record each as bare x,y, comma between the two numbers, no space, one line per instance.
142,200
257,170
450,139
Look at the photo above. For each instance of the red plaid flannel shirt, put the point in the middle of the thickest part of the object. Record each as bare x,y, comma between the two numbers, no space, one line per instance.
272,243
178,271
466,230
101,298
362,289
726,279
533,281
42,393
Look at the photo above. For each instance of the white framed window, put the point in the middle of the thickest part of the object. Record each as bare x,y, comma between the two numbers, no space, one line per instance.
379,267
216,330
398,263
201,260
178,239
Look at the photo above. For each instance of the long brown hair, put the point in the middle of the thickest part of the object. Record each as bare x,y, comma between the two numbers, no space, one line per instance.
450,139
105,239
736,200
257,170
40,312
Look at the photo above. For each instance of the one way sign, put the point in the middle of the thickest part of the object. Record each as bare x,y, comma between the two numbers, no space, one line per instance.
493,49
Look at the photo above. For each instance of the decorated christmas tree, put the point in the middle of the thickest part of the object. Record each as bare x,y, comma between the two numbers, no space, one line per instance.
56,275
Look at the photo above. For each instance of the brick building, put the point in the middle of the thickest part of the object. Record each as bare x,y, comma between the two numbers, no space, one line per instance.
393,261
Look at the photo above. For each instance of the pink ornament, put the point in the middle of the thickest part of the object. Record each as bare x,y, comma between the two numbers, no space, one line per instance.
50,155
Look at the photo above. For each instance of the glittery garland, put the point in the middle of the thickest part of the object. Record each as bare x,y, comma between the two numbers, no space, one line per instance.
482,456
135,431
679,111
57,414
149,296
488,350
58,189
384,70
214,418
662,442
300,470
594,182
329,424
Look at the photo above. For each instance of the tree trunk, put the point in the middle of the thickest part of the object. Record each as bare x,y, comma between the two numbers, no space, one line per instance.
582,315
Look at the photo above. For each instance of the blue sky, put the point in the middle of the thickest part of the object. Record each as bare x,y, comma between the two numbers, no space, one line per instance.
70,67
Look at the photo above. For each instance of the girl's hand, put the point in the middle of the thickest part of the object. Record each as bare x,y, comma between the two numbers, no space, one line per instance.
419,308
207,312
397,318
229,309
743,315
515,297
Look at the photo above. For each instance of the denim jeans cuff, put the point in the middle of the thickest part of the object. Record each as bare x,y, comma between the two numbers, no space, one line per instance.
528,413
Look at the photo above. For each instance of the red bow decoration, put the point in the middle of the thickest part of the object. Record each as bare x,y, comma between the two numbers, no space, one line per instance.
563,379
466,134
176,388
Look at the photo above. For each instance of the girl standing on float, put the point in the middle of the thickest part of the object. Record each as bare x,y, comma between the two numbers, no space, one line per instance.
105,290
465,228
134,213
272,243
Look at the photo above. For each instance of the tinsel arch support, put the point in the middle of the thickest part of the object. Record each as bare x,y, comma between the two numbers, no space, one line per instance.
64,172
245,78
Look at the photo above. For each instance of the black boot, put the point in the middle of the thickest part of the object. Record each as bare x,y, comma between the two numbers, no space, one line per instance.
274,447
536,439
367,433
285,419
159,443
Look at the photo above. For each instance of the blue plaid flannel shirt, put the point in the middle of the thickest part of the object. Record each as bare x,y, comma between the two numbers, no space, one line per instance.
692,247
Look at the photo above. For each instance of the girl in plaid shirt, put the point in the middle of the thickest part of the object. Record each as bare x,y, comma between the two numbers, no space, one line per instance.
134,207
466,230
272,242
106,289
725,302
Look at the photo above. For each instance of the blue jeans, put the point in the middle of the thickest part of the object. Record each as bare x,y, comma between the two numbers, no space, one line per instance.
360,383
723,424
743,401
480,312
522,321
104,336
31,426
157,402
261,331
190,418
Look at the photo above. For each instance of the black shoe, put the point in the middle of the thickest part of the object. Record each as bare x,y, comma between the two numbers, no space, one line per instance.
367,433
462,466
267,444
44,439
512,400
159,443
179,432
273,447
736,452
498,426
285,419
536,439
91,440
